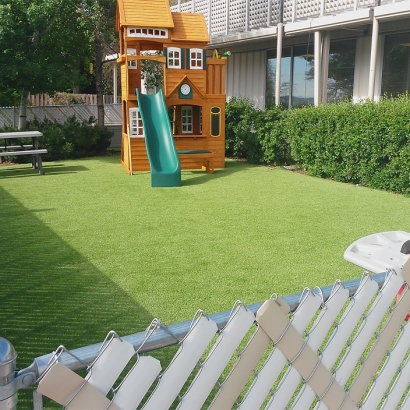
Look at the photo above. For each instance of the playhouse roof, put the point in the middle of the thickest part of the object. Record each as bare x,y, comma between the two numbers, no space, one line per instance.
144,13
189,26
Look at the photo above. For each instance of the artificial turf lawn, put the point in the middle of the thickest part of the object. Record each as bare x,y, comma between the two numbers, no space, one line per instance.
87,248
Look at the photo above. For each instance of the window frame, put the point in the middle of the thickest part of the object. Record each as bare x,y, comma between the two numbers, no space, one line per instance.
132,64
173,58
198,59
187,120
137,130
151,32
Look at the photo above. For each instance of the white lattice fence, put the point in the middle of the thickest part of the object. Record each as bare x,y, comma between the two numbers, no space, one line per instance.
218,17
237,15
287,11
258,12
343,353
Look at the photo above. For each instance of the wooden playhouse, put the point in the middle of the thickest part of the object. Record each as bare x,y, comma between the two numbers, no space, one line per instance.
193,84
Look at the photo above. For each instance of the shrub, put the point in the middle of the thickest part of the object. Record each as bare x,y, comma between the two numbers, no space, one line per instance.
240,134
270,128
365,143
72,139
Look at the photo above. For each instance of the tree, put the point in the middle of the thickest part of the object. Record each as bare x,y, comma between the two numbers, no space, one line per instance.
42,46
99,16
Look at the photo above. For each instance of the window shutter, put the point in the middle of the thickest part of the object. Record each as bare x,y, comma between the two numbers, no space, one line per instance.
204,59
166,56
182,58
188,58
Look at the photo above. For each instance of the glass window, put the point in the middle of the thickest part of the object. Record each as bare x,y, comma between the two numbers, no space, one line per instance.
303,76
136,127
195,57
341,70
143,32
186,119
396,64
174,57
133,63
285,78
297,74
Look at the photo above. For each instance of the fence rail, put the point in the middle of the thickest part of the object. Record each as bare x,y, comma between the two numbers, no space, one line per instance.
44,99
59,113
323,318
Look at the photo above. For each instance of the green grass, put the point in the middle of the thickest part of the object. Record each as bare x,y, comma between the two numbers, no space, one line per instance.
87,248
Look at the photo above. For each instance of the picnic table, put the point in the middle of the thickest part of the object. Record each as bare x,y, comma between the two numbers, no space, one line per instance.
17,149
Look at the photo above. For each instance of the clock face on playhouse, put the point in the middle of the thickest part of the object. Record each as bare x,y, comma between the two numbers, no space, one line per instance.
185,91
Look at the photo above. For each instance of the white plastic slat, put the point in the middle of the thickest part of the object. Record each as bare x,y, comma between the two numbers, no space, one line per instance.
388,292
388,371
319,331
218,358
398,390
137,382
182,364
109,365
70,390
276,361
341,334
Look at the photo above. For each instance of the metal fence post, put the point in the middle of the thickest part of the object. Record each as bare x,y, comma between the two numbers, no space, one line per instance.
8,398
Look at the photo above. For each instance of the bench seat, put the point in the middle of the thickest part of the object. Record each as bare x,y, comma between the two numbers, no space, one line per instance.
36,153
202,154
16,147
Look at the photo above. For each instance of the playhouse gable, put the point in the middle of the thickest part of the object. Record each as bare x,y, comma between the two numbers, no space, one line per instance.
190,27
175,93
144,13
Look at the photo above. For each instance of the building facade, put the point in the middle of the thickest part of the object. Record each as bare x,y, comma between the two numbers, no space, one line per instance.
298,52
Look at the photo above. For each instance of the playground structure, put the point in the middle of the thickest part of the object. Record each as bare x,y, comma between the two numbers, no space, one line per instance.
193,91
343,346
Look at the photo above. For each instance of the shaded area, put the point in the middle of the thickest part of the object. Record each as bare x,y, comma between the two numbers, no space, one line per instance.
27,171
50,294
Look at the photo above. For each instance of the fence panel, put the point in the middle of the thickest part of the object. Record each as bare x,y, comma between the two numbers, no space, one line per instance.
41,100
300,344
9,116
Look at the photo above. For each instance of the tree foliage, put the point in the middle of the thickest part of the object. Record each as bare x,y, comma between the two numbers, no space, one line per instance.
43,44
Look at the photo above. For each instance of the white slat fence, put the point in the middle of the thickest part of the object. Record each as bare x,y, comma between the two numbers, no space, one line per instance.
345,353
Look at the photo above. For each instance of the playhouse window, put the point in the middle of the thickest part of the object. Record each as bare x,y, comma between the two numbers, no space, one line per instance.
147,32
136,128
186,119
133,63
174,57
195,58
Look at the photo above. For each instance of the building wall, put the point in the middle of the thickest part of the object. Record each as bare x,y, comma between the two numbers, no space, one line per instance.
246,76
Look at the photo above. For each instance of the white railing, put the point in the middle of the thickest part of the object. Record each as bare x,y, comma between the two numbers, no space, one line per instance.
343,346
44,99
228,17
273,358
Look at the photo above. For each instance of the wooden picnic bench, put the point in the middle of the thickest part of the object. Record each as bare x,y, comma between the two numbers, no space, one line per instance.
23,149
202,154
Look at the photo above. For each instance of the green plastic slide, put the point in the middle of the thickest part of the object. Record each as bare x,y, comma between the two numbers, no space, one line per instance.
159,141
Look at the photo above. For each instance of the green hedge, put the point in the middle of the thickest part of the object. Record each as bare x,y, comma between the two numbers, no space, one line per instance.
367,144
72,139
